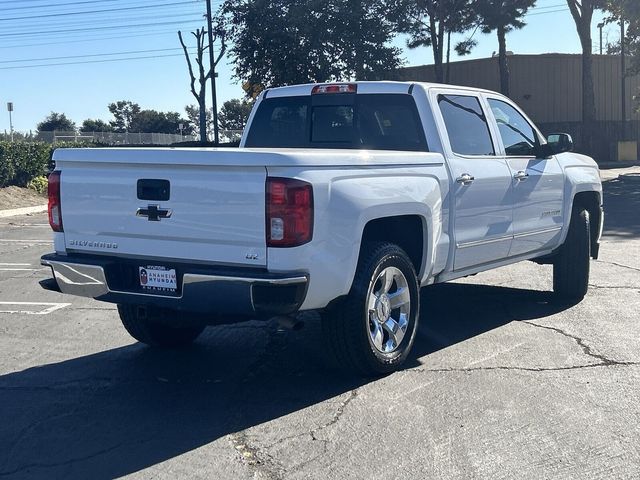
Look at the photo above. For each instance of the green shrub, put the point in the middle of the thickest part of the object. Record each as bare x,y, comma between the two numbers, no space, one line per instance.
30,161
20,162
7,170
38,184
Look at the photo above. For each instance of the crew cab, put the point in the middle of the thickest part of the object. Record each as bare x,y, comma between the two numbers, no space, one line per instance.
343,198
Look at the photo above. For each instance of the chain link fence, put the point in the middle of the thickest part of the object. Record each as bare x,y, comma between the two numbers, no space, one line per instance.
111,138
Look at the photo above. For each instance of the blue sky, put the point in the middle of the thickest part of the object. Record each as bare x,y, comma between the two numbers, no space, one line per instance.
32,32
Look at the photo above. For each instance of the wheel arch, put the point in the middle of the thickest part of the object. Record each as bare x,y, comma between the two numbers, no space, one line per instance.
583,188
590,201
406,231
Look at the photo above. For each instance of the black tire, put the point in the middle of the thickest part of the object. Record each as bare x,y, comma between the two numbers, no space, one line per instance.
347,327
571,265
153,332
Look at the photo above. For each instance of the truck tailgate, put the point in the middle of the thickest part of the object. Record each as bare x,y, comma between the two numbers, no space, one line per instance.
214,213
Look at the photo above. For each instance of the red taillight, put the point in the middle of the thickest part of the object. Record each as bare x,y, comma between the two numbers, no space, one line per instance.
289,212
335,88
55,207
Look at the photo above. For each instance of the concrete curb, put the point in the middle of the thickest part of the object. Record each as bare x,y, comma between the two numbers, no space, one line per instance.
616,165
22,211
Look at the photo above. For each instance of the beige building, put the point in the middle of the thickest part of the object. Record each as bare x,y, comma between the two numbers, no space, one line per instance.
548,86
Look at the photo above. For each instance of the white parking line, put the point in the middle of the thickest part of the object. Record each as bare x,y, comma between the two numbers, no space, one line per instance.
20,269
11,224
11,240
52,307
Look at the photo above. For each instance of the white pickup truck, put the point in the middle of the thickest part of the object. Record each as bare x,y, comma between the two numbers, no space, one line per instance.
342,198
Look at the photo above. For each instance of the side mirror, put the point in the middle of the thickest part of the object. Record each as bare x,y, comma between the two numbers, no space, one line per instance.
559,143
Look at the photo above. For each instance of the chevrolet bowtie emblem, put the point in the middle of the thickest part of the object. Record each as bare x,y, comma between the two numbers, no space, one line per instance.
153,213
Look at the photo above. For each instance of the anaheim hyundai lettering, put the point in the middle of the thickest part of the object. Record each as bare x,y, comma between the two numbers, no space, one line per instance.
344,198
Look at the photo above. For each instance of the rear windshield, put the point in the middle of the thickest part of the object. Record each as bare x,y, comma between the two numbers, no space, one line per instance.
376,122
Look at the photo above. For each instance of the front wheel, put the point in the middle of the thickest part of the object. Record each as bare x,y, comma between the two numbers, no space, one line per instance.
153,331
571,265
372,330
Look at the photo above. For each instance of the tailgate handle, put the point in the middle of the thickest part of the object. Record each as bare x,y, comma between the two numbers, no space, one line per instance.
154,189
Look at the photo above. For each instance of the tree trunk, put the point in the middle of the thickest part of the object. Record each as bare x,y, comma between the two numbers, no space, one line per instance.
588,92
588,100
582,18
202,117
359,58
448,77
437,36
503,62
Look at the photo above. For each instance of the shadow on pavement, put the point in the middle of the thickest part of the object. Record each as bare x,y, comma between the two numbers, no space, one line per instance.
622,206
119,411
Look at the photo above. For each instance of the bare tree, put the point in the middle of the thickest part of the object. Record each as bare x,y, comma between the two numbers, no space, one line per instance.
203,75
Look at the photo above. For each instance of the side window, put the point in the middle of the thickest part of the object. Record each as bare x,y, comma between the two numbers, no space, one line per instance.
517,134
466,125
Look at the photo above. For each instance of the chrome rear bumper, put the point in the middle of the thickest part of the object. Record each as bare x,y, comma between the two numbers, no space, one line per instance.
210,292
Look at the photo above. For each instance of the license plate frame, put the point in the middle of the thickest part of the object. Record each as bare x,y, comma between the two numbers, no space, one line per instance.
158,279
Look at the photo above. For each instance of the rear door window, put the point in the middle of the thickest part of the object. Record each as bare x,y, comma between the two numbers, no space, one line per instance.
364,121
466,125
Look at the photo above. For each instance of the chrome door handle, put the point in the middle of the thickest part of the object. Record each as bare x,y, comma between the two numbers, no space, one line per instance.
521,176
465,179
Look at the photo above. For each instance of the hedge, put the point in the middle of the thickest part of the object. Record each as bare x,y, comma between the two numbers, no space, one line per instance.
20,162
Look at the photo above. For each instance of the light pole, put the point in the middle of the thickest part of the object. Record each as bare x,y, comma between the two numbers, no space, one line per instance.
600,27
216,137
10,109
623,71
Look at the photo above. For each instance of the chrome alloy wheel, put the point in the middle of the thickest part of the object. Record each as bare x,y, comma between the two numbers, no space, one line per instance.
388,308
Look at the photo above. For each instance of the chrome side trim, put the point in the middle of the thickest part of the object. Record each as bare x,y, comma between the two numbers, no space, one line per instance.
90,280
538,232
477,243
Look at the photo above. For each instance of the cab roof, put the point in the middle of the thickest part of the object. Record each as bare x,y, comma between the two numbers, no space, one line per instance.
364,87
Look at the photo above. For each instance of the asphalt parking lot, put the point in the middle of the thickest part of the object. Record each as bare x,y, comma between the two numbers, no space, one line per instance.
503,383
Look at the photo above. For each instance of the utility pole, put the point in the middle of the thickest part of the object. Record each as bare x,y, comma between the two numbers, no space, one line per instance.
10,109
216,136
623,71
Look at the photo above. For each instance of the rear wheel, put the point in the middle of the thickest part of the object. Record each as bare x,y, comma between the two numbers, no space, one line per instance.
372,330
571,265
154,332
